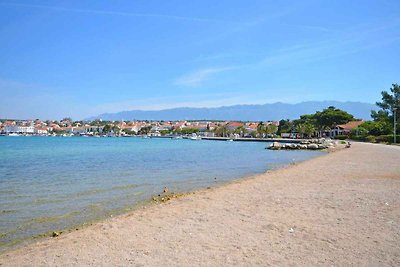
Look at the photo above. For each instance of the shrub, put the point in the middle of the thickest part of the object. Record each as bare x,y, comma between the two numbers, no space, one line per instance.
387,138
377,127
358,138
370,138
341,137
359,134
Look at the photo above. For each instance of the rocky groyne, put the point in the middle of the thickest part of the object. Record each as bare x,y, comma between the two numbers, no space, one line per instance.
312,144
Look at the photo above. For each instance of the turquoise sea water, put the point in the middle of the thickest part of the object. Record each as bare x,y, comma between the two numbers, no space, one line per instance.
53,183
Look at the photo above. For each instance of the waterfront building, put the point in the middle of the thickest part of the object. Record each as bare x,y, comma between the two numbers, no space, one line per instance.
19,129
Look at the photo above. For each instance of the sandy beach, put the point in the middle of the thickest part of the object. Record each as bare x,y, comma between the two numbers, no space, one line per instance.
339,209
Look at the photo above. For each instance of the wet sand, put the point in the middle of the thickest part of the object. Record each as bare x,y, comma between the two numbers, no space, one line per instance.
339,209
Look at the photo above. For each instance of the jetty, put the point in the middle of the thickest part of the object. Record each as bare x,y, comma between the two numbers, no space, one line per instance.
242,139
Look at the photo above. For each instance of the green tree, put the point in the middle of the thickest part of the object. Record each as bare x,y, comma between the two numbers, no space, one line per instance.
144,130
107,128
128,131
165,132
285,126
390,101
187,131
67,119
308,118
359,133
330,117
309,129
301,129
376,128
221,131
241,131
260,129
381,115
271,129
116,129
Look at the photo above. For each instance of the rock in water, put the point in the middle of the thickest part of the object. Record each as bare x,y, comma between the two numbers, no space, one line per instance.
275,146
55,234
312,146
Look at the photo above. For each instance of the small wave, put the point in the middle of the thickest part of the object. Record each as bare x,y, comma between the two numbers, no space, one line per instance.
38,201
8,211
13,192
41,220
103,190
46,201
128,186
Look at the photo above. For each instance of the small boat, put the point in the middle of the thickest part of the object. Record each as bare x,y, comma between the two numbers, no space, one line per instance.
13,134
195,137
229,140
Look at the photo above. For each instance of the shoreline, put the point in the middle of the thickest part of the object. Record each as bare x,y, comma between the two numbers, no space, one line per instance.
131,208
181,206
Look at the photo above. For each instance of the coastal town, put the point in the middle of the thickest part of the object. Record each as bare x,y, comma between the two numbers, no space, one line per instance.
67,127
98,128
331,122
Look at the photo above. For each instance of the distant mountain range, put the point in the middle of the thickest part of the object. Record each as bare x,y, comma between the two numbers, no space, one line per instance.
274,111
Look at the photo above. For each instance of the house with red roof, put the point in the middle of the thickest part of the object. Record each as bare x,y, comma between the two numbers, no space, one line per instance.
232,125
345,129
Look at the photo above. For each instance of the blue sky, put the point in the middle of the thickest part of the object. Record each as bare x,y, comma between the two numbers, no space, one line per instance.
82,58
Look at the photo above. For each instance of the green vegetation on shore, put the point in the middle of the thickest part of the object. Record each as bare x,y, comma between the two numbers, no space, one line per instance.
380,129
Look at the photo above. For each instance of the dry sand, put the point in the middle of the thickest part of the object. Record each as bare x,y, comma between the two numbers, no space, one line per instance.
340,209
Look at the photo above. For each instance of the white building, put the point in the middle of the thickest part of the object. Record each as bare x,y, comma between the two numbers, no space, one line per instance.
19,129
41,130
84,129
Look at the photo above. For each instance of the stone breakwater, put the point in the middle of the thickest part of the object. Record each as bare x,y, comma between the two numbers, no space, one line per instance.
312,144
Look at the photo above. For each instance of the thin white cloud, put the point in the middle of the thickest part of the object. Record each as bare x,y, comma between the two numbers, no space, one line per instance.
338,44
334,44
114,13
196,78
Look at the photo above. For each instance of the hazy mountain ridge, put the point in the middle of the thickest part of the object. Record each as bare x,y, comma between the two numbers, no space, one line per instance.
274,111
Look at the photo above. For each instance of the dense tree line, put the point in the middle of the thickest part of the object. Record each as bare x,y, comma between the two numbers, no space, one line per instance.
308,125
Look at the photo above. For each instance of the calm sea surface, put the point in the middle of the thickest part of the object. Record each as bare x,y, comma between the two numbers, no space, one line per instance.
54,183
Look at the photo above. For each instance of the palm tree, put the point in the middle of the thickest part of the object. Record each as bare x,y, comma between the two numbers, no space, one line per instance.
260,129
300,128
221,131
271,129
241,131
309,129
